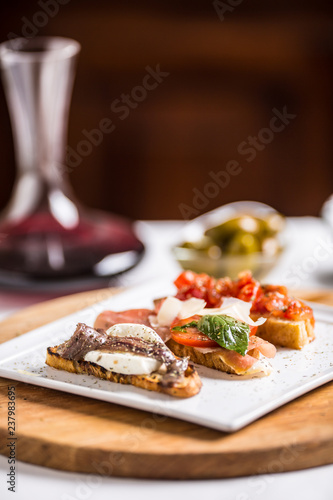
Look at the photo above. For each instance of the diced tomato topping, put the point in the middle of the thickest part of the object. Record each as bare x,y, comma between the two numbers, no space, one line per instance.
248,292
186,278
266,299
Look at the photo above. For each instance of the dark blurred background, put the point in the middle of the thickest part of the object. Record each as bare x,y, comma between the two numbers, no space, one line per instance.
229,63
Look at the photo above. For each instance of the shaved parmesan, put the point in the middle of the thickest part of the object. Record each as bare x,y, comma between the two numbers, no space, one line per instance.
190,307
235,308
173,308
169,311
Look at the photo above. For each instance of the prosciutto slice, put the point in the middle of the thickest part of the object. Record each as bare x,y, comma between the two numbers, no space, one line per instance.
106,319
243,363
240,363
109,318
266,349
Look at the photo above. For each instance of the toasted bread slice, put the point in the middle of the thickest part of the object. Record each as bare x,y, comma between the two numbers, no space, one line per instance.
189,386
286,333
216,359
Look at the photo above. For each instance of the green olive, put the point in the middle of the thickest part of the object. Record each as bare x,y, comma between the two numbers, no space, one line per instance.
202,245
243,243
249,224
214,252
273,224
222,233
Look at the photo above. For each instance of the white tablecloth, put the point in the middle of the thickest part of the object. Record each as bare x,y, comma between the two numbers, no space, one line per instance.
307,262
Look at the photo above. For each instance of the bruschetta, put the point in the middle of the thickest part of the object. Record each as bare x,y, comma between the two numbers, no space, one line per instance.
289,322
126,353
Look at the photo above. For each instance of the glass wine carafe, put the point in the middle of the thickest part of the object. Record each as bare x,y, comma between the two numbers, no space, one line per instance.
45,234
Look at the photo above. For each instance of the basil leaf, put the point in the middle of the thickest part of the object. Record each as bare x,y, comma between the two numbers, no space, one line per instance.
183,327
226,331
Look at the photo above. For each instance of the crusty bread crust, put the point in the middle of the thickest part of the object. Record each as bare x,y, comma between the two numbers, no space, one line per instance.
286,333
210,359
189,386
213,359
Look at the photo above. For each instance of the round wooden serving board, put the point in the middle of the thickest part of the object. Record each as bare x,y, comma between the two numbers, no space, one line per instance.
74,433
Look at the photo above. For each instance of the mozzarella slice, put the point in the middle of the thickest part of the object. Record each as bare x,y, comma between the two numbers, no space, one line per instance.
135,330
124,362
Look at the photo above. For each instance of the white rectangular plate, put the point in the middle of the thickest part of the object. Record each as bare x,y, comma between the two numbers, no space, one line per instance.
225,402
